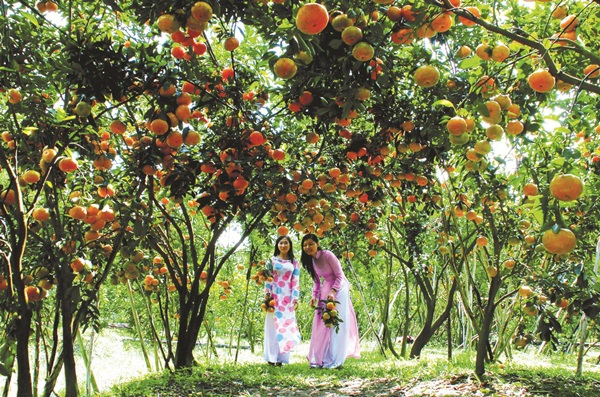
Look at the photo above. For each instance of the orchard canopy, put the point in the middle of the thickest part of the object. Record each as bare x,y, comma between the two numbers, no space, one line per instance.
449,152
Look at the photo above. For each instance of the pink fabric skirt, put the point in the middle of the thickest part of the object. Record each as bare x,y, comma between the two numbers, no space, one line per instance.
328,348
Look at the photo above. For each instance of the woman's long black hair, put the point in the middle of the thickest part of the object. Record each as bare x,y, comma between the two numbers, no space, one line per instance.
307,260
290,252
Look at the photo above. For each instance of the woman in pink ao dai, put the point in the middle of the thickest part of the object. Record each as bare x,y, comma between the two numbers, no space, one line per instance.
281,329
328,348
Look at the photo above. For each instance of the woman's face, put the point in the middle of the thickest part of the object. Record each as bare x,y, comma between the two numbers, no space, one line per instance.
284,246
310,247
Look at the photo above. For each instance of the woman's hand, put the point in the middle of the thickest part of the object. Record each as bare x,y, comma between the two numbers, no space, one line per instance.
332,294
313,302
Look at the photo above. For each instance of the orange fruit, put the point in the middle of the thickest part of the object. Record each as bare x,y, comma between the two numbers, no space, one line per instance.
341,22
312,18
68,164
285,68
105,191
514,127
202,11
426,76
307,184
569,23
483,147
483,51
500,53
459,139
183,113
525,291
256,138
463,52
482,241
175,139
159,126
402,36
494,112
541,81
305,98
559,12
352,35
192,138
509,263
513,111
442,23
31,176
14,96
394,13
278,154
33,293
408,14
168,23
559,243
474,11
592,71
566,187
78,212
48,155
487,84
283,230
363,51
8,197
231,43
118,127
492,271
530,189
41,214
456,125
425,31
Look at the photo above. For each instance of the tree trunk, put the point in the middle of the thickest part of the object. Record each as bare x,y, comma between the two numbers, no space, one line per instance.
67,302
430,327
486,326
483,341
192,316
24,385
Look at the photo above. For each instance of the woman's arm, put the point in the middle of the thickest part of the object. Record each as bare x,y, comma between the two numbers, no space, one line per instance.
338,273
295,280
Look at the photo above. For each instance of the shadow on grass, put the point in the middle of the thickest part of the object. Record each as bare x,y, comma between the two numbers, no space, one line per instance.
402,378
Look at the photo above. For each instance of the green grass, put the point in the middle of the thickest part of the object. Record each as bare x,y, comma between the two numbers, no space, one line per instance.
372,374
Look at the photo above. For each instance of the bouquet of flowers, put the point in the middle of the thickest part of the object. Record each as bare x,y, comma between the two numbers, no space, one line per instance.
329,314
268,304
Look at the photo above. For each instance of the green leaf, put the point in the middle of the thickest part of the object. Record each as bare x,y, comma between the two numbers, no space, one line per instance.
31,18
469,63
558,162
483,110
444,102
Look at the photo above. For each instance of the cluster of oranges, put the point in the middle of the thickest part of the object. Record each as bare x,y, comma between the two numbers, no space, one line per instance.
197,21
262,275
268,305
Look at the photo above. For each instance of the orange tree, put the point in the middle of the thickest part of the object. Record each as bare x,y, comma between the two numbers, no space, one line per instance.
185,116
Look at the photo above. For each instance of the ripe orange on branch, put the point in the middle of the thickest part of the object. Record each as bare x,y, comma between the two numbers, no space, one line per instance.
566,187
541,81
561,242
312,18
426,76
363,51
285,68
